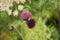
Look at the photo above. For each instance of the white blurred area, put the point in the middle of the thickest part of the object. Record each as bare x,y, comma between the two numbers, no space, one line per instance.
5,4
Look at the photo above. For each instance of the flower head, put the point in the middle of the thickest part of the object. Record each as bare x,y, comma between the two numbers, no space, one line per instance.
15,13
20,7
25,15
9,12
4,5
10,28
31,23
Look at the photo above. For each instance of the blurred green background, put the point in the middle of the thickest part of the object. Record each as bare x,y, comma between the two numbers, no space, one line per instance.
44,12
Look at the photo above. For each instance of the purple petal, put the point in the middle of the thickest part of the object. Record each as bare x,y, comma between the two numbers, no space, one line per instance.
25,15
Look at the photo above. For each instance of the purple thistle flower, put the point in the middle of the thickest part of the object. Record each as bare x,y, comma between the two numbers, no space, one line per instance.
31,23
25,15
10,28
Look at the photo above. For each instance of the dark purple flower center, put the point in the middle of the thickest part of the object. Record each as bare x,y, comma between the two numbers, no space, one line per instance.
31,23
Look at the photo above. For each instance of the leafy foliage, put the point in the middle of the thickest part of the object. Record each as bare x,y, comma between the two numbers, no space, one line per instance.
41,11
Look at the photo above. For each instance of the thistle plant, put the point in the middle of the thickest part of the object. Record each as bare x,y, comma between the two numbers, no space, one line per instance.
29,20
